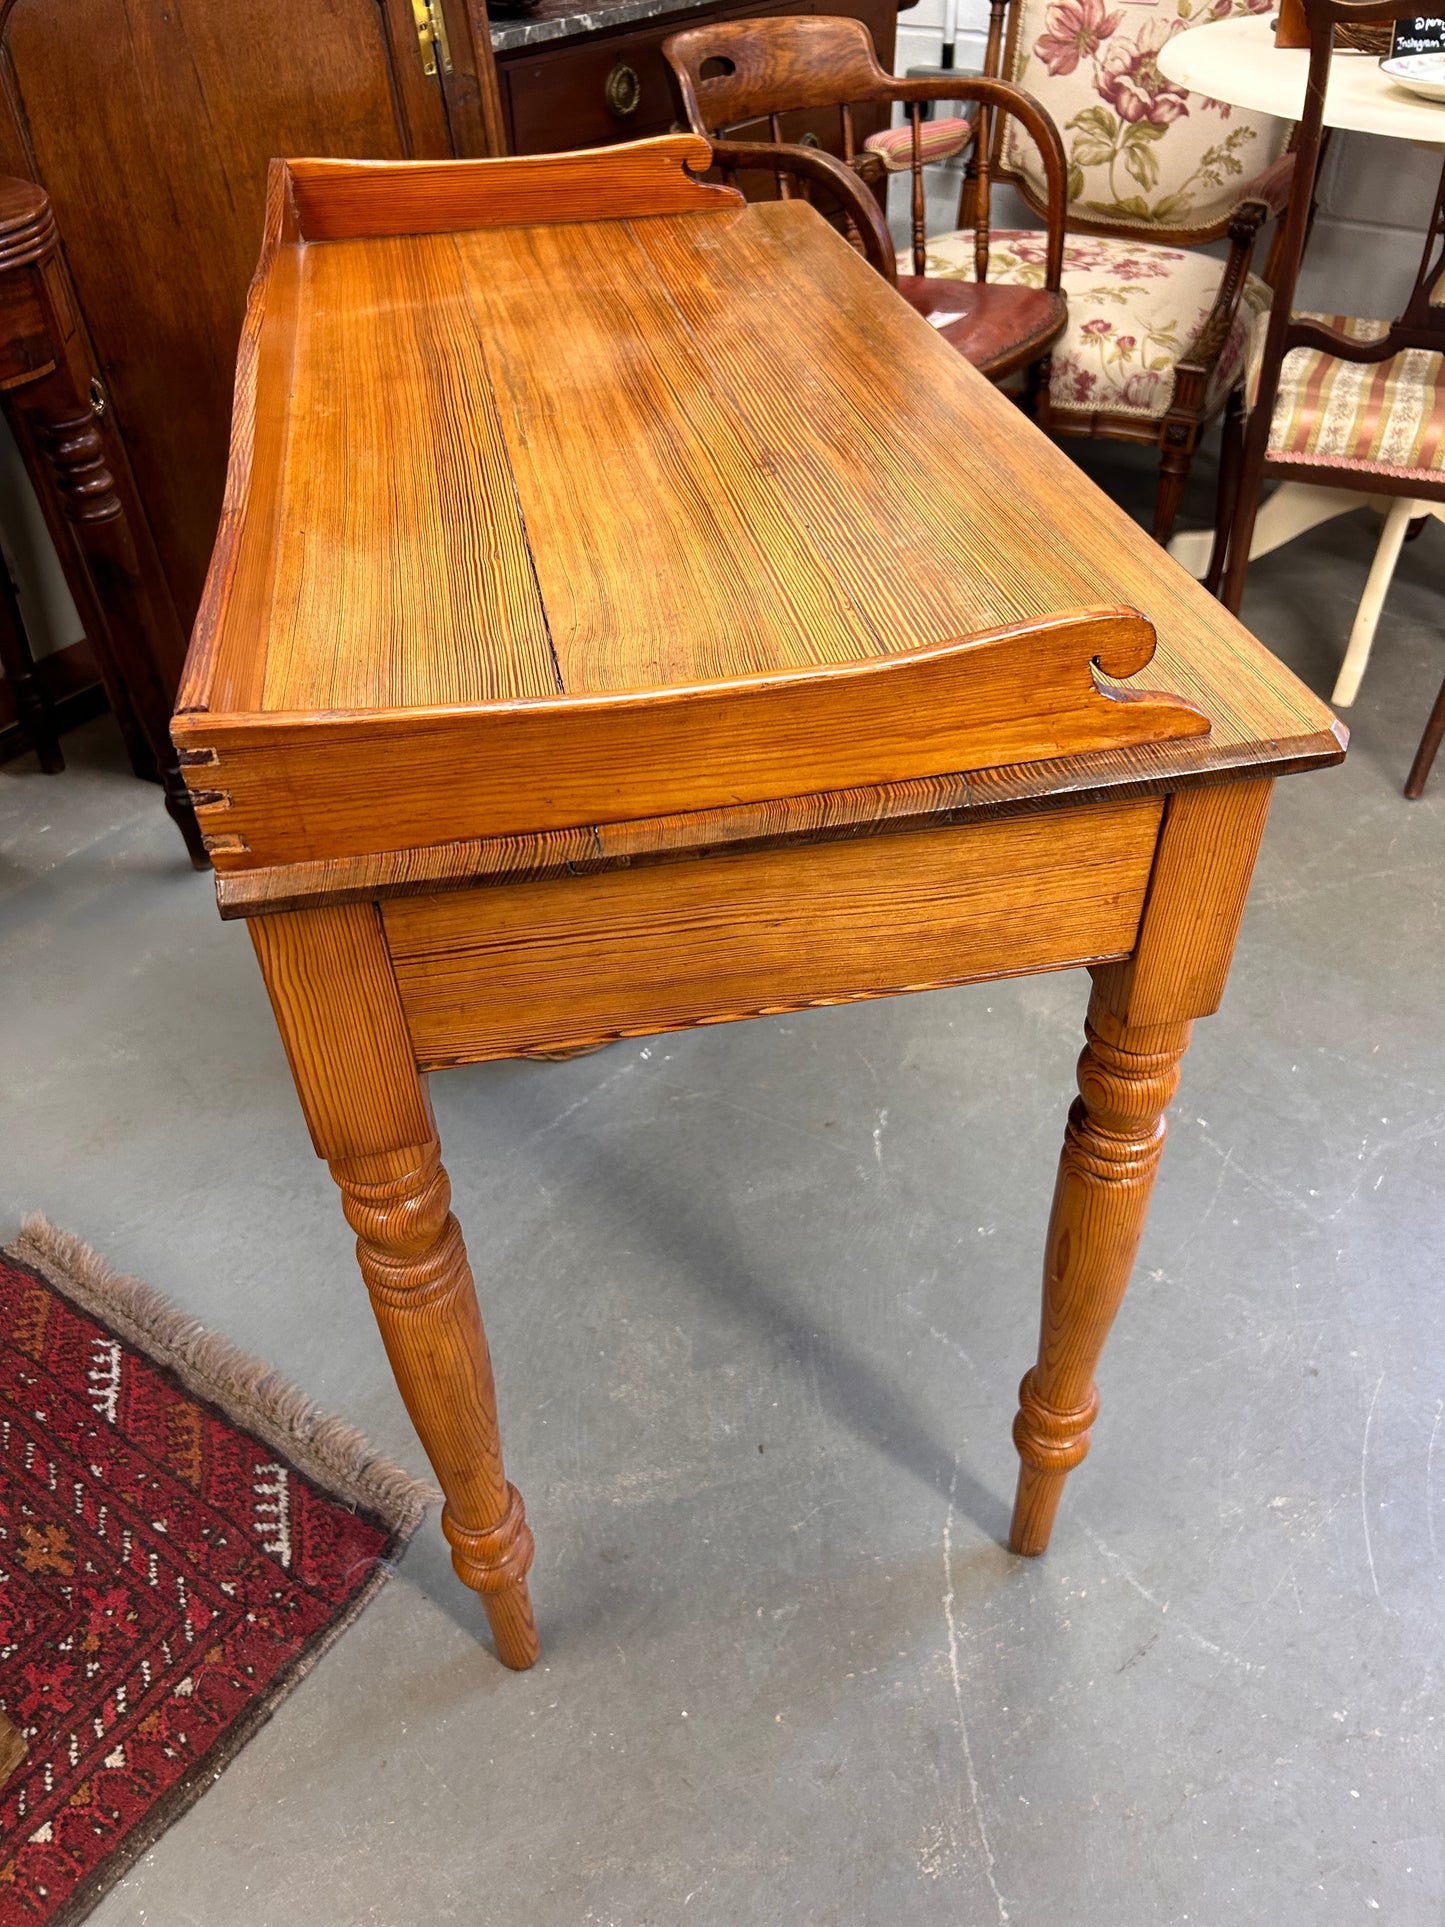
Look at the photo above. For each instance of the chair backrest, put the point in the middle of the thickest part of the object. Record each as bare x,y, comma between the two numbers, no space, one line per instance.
1422,324
734,74
1145,156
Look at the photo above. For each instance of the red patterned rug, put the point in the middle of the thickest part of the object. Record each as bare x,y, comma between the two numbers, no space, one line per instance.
181,1535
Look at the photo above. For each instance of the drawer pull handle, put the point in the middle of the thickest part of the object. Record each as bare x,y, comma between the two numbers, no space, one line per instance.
622,91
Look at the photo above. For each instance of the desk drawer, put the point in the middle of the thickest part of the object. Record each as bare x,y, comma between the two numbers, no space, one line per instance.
489,972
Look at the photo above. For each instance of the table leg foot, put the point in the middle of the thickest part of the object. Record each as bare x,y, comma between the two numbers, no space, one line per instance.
1050,1444
495,1564
1112,1147
411,1254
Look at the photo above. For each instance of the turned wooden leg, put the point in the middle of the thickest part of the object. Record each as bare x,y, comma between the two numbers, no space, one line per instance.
1112,1145
54,404
1231,454
64,428
1176,457
331,986
1138,1028
411,1254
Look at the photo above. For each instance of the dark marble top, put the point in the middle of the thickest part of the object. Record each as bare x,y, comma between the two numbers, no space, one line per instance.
565,20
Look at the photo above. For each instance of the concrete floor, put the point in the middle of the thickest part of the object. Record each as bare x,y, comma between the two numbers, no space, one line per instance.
760,1296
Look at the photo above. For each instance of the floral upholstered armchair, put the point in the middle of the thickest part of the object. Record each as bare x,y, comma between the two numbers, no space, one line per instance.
1155,342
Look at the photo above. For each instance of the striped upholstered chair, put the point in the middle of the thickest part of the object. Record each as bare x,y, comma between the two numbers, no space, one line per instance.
1344,401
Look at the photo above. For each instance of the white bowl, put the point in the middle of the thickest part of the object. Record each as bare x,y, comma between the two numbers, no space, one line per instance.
1423,74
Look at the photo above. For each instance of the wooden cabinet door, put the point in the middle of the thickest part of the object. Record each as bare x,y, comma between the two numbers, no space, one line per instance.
150,123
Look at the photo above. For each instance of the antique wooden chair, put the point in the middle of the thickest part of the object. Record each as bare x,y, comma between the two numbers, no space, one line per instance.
733,74
1344,400
1156,336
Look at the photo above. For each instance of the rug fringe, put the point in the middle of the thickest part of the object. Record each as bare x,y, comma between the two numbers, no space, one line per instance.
251,1392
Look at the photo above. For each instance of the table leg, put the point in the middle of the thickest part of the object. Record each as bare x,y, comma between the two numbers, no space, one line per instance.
33,711
1401,512
60,421
1111,1151
336,1003
1140,1015
53,402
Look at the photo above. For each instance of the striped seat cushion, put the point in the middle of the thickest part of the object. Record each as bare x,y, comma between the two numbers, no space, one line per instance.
1371,417
938,139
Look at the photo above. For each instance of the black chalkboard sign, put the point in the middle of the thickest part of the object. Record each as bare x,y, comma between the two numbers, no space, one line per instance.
1423,35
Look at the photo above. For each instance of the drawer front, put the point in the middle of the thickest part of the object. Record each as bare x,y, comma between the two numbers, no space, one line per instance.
619,87
577,960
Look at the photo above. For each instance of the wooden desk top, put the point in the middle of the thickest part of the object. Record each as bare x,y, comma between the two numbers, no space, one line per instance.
524,460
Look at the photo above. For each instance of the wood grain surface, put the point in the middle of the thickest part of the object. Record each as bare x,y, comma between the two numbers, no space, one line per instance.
349,200
926,802
487,973
1024,695
1196,901
624,455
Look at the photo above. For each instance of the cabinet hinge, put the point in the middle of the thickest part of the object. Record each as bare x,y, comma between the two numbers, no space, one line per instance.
431,33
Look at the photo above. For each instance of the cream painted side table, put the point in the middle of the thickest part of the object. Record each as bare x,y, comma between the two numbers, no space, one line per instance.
1237,61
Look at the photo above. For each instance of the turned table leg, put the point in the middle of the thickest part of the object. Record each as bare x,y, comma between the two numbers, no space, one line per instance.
411,1254
1140,1015
1111,1151
335,999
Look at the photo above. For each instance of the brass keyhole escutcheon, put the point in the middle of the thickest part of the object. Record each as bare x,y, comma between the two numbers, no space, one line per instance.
622,91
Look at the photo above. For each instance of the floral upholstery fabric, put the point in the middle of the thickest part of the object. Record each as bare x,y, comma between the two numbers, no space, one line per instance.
938,140
1134,309
1382,417
1140,149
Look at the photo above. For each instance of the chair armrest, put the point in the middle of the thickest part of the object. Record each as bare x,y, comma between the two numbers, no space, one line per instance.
1272,186
1196,364
1037,122
1260,200
806,164
940,140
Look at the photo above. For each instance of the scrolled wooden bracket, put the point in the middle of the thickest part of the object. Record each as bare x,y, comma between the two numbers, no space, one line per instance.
1019,695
